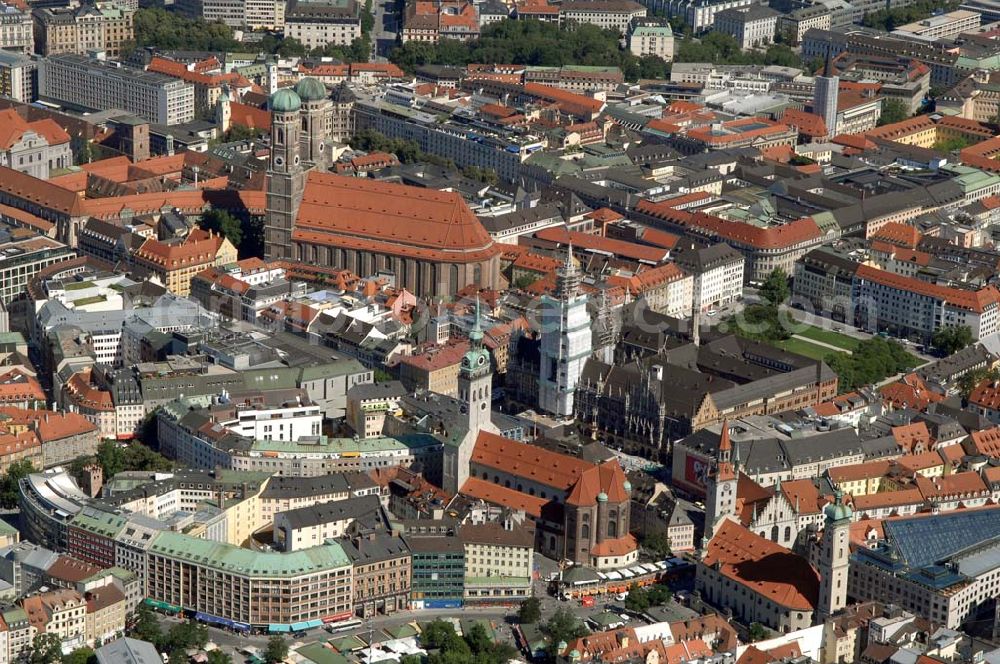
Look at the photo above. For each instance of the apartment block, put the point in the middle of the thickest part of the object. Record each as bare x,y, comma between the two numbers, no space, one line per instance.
944,26
18,77
317,24
175,263
651,39
753,27
16,33
498,563
699,14
238,587
88,83
104,26
21,258
607,14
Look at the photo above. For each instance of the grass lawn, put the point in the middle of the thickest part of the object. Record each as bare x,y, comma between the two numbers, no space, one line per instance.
830,337
803,347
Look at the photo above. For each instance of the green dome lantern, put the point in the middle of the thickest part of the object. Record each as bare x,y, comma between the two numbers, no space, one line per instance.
837,510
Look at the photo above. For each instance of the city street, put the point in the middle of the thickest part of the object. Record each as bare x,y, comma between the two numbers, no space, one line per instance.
384,35
231,642
502,618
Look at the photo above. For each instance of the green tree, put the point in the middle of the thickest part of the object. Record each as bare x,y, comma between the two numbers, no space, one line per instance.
563,626
80,656
224,223
238,133
524,281
948,340
955,144
83,150
146,626
111,458
872,361
46,648
637,599
290,47
756,632
190,634
775,288
760,322
367,18
890,19
893,110
657,544
411,659
653,67
724,49
219,657
530,611
478,639
114,458
659,594
527,43
971,379
277,650
167,30
437,633
9,486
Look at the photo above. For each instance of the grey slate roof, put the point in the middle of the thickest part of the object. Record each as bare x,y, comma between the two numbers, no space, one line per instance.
374,547
367,508
128,651
302,487
386,390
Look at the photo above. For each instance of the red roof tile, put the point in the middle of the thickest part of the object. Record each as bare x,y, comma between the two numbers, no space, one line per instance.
977,301
763,566
348,211
499,495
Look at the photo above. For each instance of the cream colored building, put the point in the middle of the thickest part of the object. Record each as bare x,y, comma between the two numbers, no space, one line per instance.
368,404
283,494
174,264
498,562
106,611
944,26
250,587
607,14
317,24
16,30
61,612
653,39
759,580
105,26
312,525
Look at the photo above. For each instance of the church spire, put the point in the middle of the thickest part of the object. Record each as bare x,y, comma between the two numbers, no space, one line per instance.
725,469
725,444
567,276
476,335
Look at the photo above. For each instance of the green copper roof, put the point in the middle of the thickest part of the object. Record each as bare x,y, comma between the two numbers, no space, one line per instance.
325,446
6,528
101,523
310,89
285,100
237,560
